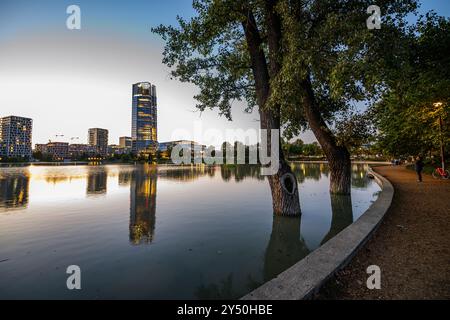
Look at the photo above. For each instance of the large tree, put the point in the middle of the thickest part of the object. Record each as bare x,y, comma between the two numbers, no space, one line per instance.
231,51
413,114
299,62
331,61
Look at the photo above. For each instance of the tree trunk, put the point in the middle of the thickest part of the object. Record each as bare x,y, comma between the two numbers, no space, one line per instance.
338,156
284,188
340,170
283,185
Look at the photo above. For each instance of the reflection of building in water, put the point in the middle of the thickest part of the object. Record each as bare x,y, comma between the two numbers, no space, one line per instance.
143,205
124,178
97,180
342,215
286,246
14,191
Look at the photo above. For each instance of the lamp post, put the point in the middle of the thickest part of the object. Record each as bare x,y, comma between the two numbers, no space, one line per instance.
437,105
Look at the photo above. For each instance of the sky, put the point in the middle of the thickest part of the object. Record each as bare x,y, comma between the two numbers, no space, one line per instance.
68,81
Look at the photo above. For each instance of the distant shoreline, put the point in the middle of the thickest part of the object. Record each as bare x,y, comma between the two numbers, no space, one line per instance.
87,163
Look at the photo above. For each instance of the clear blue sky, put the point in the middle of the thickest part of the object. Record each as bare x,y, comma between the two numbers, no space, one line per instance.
68,81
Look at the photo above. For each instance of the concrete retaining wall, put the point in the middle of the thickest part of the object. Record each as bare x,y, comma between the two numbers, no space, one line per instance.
306,277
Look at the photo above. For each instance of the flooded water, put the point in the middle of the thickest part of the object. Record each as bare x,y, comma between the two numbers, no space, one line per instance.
147,232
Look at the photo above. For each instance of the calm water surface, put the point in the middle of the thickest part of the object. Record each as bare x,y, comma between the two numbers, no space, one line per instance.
146,232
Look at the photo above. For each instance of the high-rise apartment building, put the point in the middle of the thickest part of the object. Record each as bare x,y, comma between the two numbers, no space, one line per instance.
125,142
144,118
99,139
15,137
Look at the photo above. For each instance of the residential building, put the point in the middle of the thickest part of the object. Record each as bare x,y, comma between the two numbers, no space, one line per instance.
144,118
192,145
114,149
42,148
57,150
196,148
126,145
78,151
99,139
125,142
15,137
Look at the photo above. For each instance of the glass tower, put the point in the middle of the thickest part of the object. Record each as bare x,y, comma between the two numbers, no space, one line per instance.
144,118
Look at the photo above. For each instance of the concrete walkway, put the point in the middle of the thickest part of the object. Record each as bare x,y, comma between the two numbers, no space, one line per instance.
411,247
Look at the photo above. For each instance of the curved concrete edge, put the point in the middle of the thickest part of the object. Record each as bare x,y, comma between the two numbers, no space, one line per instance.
307,276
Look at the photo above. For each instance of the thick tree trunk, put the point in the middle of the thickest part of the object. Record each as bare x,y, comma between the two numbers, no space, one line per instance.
338,156
283,184
340,170
284,188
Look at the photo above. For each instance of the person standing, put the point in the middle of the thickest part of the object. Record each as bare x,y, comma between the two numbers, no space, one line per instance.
419,168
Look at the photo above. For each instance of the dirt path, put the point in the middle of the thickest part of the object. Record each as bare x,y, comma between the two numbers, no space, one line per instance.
411,247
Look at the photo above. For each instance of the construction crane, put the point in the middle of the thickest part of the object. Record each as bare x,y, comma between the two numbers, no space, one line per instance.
56,137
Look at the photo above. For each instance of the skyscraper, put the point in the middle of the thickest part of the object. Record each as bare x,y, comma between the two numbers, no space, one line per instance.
15,137
144,118
99,139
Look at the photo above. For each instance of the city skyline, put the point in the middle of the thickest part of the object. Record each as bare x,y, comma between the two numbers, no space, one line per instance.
74,78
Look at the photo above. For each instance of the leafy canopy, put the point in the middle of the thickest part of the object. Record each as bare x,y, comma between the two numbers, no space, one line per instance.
327,40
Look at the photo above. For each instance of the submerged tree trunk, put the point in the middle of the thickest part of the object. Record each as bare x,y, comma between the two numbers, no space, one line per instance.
283,184
284,188
338,156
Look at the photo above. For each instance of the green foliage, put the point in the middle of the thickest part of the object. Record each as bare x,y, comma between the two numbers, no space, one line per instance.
354,130
407,116
299,148
326,40
210,51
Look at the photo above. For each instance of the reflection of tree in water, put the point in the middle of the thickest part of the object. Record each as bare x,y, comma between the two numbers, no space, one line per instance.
307,171
359,176
97,179
223,290
124,178
286,246
342,215
186,173
240,172
14,190
143,205
56,179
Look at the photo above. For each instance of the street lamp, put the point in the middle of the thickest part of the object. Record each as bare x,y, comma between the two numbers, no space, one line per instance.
438,105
